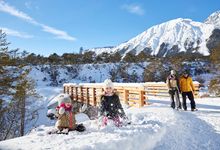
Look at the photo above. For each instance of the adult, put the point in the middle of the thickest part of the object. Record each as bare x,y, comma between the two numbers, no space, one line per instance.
187,89
173,86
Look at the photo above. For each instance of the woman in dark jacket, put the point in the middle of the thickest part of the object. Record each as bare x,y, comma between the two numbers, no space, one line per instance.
110,107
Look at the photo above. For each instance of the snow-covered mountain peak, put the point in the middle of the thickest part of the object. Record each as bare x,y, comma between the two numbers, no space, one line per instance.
214,19
178,35
100,50
169,38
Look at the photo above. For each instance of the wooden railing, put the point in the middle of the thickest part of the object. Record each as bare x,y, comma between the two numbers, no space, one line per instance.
160,89
132,94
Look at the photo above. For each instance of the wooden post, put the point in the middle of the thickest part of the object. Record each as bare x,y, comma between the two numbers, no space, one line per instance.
141,98
87,95
72,95
94,96
126,92
64,89
76,93
67,89
145,98
81,94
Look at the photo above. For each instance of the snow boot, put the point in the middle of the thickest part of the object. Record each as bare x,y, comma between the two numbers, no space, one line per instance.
194,109
80,128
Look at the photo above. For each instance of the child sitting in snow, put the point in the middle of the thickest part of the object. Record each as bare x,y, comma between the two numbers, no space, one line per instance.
110,107
66,118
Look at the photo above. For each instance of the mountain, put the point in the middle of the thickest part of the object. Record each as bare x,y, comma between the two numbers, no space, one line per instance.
99,50
172,37
214,19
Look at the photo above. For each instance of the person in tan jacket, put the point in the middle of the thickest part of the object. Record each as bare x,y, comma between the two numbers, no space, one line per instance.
187,89
173,87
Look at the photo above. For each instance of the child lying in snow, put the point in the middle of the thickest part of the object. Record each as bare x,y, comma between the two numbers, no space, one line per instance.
110,107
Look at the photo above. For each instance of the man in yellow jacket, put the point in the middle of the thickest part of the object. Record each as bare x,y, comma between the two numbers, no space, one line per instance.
187,89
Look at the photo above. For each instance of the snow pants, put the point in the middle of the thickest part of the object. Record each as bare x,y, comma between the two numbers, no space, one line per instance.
174,94
191,98
115,119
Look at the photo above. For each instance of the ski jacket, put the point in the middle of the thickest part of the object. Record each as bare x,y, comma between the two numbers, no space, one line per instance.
186,84
111,107
172,82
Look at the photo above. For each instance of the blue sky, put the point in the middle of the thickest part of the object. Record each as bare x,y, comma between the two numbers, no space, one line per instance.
63,26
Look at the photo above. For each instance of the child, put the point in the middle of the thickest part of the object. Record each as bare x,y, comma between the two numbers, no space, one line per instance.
110,107
66,118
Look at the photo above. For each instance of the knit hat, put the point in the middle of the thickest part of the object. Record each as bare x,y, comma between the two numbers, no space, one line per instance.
186,72
63,98
172,72
108,83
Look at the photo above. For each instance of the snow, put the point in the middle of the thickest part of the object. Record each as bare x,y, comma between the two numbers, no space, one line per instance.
46,93
214,19
100,50
84,73
69,84
156,126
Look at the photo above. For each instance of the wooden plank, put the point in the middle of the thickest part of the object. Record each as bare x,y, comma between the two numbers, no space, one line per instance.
133,96
133,104
133,100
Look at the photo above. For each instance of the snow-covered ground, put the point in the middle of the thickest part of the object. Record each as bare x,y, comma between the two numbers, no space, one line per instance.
156,126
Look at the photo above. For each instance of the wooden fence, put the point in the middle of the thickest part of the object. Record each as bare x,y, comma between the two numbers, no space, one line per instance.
132,94
160,89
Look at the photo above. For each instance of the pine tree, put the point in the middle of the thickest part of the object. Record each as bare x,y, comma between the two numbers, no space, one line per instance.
25,93
143,56
215,55
130,57
214,85
154,72
14,91
115,57
88,57
54,59
5,80
7,88
54,74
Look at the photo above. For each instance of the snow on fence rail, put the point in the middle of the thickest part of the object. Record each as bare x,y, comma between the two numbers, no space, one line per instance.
133,94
